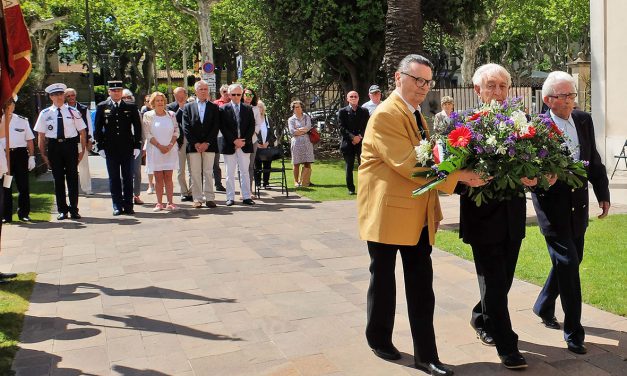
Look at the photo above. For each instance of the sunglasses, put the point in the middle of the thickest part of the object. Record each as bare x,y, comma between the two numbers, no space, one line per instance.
236,95
248,94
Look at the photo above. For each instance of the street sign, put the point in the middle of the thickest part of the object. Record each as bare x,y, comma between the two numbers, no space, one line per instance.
208,67
211,80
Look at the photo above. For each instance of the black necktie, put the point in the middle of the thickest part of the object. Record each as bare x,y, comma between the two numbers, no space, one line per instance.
60,130
421,128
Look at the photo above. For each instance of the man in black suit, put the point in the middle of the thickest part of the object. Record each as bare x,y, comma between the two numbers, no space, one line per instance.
563,212
237,123
118,139
180,100
201,123
494,231
352,120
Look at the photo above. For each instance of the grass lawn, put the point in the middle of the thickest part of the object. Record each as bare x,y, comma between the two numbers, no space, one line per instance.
41,200
328,175
14,297
603,271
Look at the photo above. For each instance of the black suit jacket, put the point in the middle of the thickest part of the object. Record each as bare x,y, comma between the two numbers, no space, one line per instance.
228,126
118,131
352,123
201,130
563,211
178,113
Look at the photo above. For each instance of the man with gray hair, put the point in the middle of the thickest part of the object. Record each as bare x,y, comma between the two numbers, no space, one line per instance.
563,212
180,99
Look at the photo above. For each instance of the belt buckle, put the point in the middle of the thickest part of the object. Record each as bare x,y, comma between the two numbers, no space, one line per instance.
60,139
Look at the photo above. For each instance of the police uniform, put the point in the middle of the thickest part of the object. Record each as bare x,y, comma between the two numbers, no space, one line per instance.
62,151
84,175
19,134
118,135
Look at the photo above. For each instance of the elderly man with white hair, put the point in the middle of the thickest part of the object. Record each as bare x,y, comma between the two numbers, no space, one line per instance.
563,211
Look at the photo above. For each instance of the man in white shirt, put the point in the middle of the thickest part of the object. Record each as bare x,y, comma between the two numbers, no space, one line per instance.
375,99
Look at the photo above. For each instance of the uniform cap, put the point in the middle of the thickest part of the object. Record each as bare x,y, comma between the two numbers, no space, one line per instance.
374,89
115,85
55,88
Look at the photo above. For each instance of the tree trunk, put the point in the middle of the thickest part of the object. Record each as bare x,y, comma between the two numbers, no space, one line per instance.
168,69
403,34
184,68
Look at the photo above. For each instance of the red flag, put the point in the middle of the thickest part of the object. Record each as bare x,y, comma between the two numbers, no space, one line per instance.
15,50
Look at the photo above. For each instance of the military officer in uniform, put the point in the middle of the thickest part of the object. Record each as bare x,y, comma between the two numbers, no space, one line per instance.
61,128
118,139
22,160
84,176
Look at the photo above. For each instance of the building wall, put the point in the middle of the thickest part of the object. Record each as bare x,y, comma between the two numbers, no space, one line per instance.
609,80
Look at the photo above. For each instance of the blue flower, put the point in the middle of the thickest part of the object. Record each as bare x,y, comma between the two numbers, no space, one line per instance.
511,151
542,153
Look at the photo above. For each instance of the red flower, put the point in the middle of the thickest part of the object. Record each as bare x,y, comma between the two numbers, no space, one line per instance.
531,132
555,129
460,137
477,115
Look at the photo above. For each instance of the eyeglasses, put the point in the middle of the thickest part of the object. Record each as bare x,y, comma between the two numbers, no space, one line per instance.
248,94
421,82
564,96
235,95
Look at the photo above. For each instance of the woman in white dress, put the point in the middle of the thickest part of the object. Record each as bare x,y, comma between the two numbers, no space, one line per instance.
161,131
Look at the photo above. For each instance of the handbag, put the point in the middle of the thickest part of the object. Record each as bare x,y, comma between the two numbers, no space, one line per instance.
314,136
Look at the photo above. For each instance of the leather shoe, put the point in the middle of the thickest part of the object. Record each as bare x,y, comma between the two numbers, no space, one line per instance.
210,204
485,337
75,216
248,202
25,218
62,216
129,211
187,198
434,368
577,348
7,275
387,353
514,360
230,202
351,193
117,212
551,323
220,188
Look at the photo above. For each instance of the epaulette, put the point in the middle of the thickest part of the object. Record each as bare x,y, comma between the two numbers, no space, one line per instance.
21,117
45,110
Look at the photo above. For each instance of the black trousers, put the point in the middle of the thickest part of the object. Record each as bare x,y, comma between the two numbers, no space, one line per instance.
563,280
495,265
217,172
262,165
381,304
121,189
19,170
63,157
349,155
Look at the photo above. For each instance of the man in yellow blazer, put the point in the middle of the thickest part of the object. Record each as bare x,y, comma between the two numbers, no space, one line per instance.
390,220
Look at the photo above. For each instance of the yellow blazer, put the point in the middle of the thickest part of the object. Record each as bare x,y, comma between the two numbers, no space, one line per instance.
386,210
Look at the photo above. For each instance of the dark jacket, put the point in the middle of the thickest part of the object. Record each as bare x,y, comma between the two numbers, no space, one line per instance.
270,138
200,131
563,211
118,131
352,123
228,126
178,113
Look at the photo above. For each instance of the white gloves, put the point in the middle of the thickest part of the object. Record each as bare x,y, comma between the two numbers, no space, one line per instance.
31,162
102,154
136,153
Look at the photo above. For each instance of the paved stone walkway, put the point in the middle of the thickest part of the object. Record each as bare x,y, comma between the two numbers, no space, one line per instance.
275,289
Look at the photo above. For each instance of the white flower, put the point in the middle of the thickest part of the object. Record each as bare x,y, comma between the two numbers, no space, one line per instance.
491,140
501,150
423,152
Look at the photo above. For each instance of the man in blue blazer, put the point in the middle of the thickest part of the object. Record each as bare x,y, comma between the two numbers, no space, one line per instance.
563,211
237,124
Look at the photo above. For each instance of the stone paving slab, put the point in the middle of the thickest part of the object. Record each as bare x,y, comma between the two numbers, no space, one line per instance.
275,289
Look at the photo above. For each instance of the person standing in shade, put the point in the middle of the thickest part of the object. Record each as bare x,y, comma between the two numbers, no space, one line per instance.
563,212
62,141
84,176
237,123
3,170
217,172
118,138
180,100
352,120
201,123
22,156
375,99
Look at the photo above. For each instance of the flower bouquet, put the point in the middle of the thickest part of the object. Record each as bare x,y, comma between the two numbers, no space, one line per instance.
498,141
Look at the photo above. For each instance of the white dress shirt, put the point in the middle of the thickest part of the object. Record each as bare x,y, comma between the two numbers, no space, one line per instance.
47,121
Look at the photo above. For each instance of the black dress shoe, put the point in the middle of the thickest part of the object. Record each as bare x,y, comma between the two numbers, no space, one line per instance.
577,348
4,220
25,218
434,368
62,216
75,216
7,275
485,337
129,211
230,202
514,360
248,202
210,204
387,353
187,198
551,323
117,212
220,188
351,193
